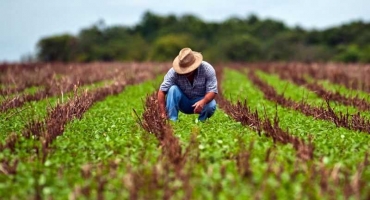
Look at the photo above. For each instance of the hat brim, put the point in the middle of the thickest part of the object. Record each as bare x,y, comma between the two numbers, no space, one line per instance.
184,70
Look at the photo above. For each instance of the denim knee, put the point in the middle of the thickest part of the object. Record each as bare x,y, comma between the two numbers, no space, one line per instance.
173,89
211,107
208,111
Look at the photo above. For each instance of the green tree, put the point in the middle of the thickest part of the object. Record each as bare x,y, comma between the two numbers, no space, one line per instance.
167,47
348,54
151,25
267,29
57,48
159,38
120,43
89,44
365,56
242,48
130,48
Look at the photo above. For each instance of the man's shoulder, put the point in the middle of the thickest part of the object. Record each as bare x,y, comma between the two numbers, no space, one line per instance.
171,72
206,67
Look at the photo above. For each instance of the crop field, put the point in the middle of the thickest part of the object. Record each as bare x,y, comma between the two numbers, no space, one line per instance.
93,131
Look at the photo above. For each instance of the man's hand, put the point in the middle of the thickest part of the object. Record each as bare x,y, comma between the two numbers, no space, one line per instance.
198,106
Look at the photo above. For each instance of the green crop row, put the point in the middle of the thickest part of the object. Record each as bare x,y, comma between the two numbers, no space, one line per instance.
220,141
345,91
27,154
332,143
108,154
108,131
333,146
14,120
30,90
300,93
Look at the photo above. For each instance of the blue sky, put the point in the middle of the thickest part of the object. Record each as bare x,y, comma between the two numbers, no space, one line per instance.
24,22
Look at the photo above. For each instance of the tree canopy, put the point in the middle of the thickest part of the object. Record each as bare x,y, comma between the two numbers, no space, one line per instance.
159,38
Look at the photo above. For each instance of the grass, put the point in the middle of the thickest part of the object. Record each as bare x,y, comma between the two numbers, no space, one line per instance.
108,154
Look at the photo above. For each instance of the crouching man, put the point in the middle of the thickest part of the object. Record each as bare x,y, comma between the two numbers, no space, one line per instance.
190,86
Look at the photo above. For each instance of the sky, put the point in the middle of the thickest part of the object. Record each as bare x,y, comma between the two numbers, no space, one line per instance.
23,22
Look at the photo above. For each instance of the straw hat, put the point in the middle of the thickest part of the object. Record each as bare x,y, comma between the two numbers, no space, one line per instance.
187,61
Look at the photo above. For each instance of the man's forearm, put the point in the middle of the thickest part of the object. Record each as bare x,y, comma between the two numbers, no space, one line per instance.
209,97
198,106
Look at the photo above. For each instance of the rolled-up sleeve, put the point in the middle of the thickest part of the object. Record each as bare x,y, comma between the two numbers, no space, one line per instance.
169,80
211,84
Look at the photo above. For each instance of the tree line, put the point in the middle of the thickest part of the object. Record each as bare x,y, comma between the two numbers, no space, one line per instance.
250,39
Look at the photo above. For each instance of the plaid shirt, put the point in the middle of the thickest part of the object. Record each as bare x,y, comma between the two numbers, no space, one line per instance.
204,81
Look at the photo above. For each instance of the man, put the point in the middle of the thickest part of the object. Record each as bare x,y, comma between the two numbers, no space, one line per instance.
190,86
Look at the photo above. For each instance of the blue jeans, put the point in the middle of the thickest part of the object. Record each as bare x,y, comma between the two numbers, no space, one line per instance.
177,101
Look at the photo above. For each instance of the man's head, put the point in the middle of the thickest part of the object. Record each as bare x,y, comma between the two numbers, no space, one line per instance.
187,61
